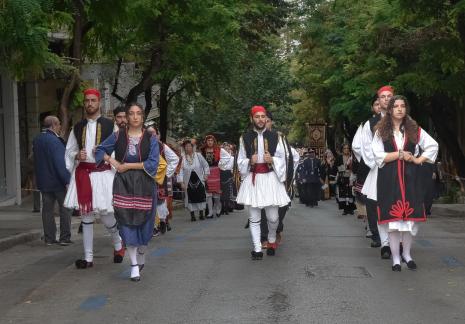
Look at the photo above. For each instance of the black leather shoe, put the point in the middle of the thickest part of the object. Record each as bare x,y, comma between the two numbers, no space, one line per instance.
83,264
162,227
396,267
270,251
375,244
411,265
256,255
193,219
385,252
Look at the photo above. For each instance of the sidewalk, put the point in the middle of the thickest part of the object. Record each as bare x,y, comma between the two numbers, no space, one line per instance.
18,224
448,210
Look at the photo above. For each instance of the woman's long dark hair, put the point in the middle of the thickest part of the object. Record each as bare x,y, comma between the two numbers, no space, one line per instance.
408,126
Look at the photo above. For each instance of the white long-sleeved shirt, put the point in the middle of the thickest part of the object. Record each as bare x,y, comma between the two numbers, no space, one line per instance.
72,147
357,143
226,161
172,160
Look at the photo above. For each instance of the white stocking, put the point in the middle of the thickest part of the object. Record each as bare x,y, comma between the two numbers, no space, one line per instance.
394,243
383,234
88,236
407,240
217,204
141,254
132,252
108,219
272,217
210,205
254,225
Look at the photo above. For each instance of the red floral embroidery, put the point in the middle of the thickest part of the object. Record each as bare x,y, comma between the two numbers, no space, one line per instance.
400,208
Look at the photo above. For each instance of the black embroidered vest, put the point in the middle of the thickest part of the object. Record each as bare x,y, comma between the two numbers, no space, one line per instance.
270,139
121,145
104,129
400,190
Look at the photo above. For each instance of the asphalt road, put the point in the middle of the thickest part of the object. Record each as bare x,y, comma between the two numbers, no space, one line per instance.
324,272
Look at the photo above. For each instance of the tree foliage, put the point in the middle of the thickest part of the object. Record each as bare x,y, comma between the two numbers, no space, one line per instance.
348,49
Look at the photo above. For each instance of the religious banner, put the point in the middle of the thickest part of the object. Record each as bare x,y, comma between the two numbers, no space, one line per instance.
317,138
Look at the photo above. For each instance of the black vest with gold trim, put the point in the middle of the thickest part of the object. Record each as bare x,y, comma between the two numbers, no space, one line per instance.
270,139
104,129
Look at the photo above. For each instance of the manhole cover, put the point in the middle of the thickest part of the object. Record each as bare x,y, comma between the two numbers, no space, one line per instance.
336,272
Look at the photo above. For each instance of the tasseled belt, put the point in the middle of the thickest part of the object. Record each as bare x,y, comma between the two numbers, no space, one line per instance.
259,168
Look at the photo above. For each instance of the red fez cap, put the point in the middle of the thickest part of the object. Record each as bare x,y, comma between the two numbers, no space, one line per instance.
92,91
386,88
256,109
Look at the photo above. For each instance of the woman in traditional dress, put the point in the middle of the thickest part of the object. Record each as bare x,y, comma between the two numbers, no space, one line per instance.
345,179
192,175
396,146
226,178
329,173
134,189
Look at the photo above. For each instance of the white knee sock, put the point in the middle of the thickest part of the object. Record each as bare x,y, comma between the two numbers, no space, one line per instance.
88,236
383,234
132,252
272,217
210,205
217,204
407,240
254,225
394,243
141,254
109,221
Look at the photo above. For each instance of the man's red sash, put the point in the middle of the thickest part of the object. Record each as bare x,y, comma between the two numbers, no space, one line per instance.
259,168
83,185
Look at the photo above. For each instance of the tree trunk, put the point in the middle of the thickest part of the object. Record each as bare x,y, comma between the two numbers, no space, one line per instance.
79,30
441,113
163,106
147,80
148,101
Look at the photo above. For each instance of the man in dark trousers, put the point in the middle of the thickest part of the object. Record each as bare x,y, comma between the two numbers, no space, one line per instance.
312,167
52,179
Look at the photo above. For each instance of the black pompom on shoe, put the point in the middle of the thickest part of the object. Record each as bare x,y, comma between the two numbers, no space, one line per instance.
256,255
385,252
83,264
397,268
411,265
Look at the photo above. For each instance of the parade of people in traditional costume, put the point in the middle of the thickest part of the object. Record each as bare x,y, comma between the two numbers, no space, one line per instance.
400,147
262,163
134,189
90,187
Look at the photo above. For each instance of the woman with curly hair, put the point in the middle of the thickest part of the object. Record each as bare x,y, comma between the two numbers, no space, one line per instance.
400,146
